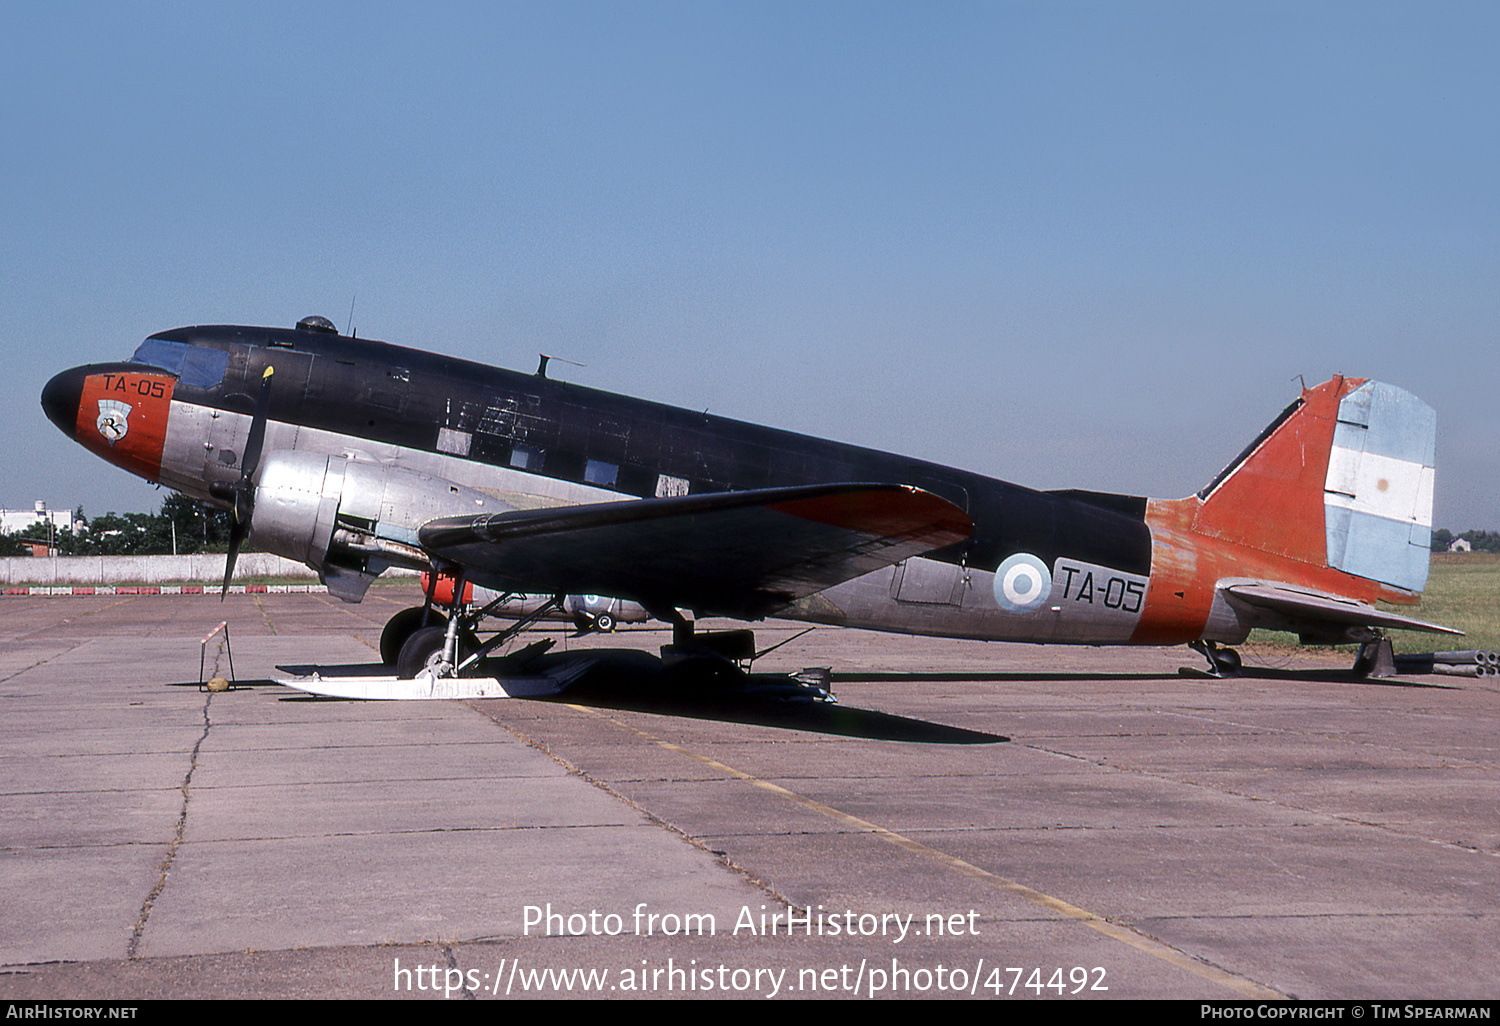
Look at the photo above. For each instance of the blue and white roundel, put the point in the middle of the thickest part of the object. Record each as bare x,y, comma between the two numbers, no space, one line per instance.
1022,583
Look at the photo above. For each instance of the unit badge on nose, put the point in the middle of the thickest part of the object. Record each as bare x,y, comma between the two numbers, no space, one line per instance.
112,422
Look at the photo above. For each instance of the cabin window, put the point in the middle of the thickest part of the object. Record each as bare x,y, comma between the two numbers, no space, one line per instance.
597,472
526,457
456,442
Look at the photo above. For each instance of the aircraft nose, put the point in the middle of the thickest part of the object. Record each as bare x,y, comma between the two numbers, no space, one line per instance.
60,399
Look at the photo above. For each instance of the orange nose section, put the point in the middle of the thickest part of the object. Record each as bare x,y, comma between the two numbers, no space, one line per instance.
122,416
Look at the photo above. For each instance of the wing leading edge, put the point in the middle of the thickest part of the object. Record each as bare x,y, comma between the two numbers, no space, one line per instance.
731,553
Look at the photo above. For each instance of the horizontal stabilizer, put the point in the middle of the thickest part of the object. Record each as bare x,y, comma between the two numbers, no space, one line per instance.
732,553
1319,609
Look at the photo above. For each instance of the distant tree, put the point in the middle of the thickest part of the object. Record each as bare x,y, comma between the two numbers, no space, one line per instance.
1479,541
12,545
113,534
198,529
1483,541
71,544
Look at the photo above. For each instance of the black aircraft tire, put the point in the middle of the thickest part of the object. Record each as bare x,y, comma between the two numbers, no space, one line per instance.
421,649
425,647
1228,661
401,627
604,622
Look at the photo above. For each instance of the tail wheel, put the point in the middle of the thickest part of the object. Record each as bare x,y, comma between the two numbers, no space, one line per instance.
401,627
1227,660
1222,662
604,622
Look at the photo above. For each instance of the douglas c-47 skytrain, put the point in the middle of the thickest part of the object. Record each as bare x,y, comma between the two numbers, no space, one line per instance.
353,456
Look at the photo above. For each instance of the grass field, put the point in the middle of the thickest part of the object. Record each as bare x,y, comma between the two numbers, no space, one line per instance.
1463,591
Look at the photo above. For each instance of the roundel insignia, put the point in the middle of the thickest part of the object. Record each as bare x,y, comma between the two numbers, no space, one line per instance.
1022,583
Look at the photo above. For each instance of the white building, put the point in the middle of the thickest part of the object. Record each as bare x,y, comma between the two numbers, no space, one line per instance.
22,521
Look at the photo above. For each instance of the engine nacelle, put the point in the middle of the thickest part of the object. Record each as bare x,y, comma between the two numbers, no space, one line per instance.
349,519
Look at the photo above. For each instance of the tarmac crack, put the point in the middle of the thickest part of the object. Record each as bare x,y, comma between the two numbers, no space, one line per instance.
165,869
44,660
67,621
39,662
452,959
264,614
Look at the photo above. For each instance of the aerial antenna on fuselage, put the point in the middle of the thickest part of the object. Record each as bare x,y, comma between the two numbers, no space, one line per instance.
541,368
350,330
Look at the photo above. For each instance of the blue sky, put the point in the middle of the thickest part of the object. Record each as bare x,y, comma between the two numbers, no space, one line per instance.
1068,244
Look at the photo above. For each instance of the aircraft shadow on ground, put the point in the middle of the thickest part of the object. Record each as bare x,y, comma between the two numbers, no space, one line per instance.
634,681
603,693
1338,676
1330,675
746,707
977,676
239,684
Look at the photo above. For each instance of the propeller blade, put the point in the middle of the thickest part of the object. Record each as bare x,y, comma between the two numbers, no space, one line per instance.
237,535
244,489
257,428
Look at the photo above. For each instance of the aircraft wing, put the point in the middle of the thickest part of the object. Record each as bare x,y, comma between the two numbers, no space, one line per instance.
1312,612
732,553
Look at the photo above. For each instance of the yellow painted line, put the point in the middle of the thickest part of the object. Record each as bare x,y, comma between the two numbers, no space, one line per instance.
1237,984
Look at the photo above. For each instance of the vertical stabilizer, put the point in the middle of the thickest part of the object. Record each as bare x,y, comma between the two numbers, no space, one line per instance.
1342,479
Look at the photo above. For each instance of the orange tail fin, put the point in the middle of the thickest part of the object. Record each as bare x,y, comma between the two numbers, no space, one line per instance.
1342,479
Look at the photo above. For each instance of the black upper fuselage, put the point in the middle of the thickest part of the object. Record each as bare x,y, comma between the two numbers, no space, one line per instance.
411,398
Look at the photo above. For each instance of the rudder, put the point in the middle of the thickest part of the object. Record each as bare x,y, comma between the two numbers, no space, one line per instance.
1378,493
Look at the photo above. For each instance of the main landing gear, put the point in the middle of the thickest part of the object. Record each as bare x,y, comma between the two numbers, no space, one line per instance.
721,661
433,644
423,638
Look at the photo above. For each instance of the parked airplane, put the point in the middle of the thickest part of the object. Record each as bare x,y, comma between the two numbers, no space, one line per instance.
354,456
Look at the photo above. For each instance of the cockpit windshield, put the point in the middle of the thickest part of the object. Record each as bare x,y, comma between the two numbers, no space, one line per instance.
197,366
